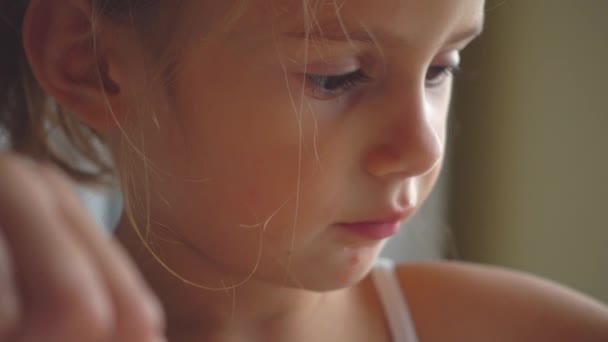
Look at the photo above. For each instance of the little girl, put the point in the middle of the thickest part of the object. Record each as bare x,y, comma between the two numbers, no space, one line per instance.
266,150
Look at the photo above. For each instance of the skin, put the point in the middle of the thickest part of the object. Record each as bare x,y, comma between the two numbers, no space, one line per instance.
226,152
60,280
269,186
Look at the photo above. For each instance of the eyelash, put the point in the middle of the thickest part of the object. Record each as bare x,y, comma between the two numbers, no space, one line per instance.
331,86
440,73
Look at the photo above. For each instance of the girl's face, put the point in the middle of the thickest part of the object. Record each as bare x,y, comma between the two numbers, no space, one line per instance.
268,144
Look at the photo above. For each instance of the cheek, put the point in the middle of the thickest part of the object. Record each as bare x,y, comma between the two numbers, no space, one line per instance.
244,172
246,189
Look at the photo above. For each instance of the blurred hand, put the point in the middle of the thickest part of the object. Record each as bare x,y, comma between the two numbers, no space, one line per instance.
61,279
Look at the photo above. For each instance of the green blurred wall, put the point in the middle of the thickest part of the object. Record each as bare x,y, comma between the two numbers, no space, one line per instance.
529,163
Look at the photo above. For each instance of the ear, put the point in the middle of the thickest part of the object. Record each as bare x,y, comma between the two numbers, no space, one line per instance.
59,41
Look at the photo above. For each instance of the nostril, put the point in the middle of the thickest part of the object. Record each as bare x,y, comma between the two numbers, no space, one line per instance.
408,196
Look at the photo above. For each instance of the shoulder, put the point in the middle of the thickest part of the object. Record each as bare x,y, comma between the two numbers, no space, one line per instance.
473,302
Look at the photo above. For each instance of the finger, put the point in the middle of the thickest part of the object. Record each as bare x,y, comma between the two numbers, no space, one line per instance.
138,312
10,310
63,297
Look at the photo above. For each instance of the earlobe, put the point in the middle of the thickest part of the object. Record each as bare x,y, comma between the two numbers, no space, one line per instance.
58,38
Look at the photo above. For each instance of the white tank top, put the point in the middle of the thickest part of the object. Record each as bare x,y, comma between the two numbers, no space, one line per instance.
394,302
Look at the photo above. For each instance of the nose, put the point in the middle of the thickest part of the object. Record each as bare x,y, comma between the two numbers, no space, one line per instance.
409,142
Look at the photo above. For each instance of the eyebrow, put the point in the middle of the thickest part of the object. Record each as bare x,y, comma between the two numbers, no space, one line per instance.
369,37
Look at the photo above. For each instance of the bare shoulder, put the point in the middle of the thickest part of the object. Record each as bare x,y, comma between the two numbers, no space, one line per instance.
465,302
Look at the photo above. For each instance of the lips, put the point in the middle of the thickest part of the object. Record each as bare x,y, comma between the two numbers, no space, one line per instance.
378,229
373,230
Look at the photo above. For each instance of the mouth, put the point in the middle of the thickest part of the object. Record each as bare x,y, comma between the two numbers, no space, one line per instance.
372,230
378,229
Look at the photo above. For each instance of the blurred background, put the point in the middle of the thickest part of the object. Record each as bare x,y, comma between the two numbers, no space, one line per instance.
526,182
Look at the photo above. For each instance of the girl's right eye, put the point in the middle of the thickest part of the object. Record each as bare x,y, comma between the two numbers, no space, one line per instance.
436,75
326,87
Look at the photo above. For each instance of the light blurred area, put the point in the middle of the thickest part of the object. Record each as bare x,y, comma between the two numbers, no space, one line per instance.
528,172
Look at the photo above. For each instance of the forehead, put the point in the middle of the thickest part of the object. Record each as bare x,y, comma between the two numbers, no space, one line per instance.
398,12
409,20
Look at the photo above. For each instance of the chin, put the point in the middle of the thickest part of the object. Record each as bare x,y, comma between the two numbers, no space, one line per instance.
346,270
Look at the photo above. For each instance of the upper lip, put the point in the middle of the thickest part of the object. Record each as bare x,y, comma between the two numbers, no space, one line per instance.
390,217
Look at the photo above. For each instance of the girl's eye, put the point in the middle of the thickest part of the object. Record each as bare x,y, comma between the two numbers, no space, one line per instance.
326,87
438,74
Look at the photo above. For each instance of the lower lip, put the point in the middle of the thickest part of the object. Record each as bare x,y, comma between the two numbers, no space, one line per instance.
373,231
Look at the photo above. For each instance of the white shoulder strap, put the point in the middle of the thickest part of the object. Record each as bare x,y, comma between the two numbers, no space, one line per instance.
394,302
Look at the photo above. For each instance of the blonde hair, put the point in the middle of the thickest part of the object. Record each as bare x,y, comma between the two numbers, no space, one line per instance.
28,114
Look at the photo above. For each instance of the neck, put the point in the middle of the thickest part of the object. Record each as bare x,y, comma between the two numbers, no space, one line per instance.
250,311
